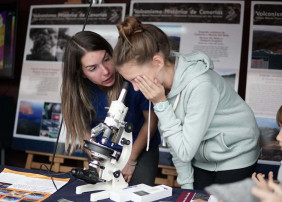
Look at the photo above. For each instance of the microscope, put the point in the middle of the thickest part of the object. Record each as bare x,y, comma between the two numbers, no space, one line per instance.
106,163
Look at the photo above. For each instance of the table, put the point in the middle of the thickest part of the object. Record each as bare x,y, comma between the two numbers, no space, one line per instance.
68,190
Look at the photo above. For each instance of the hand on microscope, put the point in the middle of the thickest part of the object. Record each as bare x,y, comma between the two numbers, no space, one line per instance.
133,171
128,170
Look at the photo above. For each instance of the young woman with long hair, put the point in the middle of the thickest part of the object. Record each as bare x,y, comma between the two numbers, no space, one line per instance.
90,83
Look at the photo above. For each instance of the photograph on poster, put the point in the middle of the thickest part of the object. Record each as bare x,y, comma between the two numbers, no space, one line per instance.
43,42
47,44
270,148
29,117
267,54
38,118
51,119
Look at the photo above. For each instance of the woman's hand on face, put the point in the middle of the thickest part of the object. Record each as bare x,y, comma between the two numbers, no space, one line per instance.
152,90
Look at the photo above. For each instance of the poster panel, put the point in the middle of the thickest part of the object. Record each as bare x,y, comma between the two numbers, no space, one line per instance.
213,27
38,115
264,76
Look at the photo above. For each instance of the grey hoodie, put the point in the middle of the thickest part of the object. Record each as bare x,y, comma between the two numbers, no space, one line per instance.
211,127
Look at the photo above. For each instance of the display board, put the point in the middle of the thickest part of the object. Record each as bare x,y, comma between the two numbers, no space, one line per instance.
38,113
264,75
8,25
213,27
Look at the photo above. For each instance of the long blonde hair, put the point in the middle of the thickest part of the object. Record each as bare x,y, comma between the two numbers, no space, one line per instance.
77,110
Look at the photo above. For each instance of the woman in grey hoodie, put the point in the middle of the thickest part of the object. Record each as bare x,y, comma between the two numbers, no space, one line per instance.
211,132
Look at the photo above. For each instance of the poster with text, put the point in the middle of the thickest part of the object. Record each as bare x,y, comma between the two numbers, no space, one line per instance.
38,115
264,78
213,27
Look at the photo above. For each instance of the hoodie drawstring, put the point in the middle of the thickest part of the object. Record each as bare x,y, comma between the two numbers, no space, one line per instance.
149,126
176,102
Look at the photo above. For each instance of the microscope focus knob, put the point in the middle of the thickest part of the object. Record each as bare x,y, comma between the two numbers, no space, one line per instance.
125,141
116,174
128,127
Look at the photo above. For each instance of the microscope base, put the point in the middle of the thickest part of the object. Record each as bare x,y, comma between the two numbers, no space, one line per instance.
113,185
100,195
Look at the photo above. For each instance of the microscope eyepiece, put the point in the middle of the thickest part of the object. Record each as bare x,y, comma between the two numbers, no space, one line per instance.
123,92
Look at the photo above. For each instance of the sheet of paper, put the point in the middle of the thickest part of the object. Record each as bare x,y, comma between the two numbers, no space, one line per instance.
16,185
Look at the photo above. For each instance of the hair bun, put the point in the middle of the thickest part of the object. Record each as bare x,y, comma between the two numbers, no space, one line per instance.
130,26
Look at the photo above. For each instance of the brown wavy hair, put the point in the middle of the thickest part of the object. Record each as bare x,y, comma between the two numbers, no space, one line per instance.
77,110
